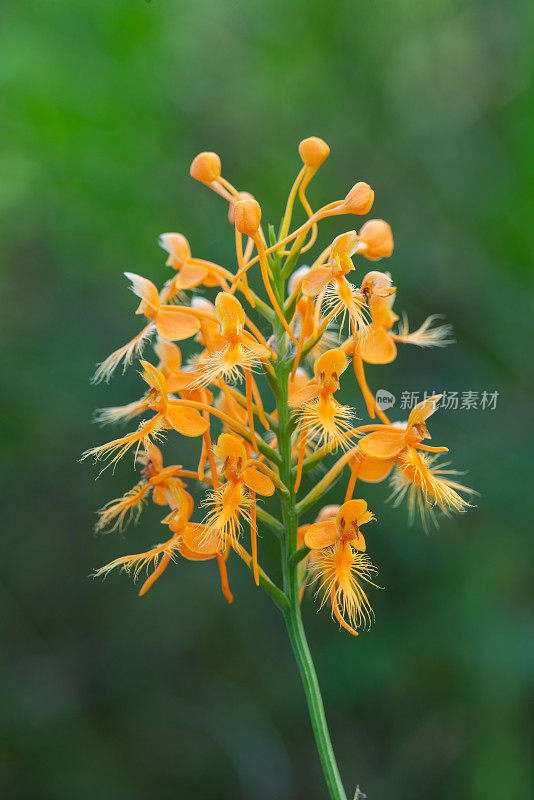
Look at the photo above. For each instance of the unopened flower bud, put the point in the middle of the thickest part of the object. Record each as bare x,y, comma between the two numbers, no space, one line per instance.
376,239
247,216
177,247
231,210
360,199
313,151
206,167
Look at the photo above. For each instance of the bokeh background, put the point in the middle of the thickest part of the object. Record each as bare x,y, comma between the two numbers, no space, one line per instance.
104,104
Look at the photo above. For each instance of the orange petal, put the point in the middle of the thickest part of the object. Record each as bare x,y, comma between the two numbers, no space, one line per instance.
303,395
175,325
144,289
180,381
169,354
321,534
251,344
382,444
381,313
158,495
185,420
377,346
422,411
155,378
352,510
316,280
189,276
198,545
374,470
258,482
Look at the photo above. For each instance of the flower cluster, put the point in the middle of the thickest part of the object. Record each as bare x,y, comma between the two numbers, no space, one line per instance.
262,398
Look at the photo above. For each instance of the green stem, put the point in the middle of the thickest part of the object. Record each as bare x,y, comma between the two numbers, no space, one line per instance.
291,583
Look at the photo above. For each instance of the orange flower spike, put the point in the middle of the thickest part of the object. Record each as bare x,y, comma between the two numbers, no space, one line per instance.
247,215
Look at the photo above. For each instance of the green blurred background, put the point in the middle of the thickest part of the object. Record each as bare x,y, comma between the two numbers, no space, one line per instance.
104,104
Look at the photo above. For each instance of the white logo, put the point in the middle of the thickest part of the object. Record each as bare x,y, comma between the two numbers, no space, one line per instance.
384,399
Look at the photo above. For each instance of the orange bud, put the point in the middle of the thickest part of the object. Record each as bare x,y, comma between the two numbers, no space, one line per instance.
247,216
231,210
376,239
177,247
360,199
313,151
206,167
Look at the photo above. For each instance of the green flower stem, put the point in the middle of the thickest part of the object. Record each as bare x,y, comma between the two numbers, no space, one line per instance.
291,584
273,524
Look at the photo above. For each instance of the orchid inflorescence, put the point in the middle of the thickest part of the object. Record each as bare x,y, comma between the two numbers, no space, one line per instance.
313,322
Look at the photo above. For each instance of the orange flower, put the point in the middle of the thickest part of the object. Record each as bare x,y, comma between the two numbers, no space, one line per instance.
164,484
321,417
235,499
418,476
377,340
240,351
340,296
190,272
170,321
339,564
185,541
169,415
